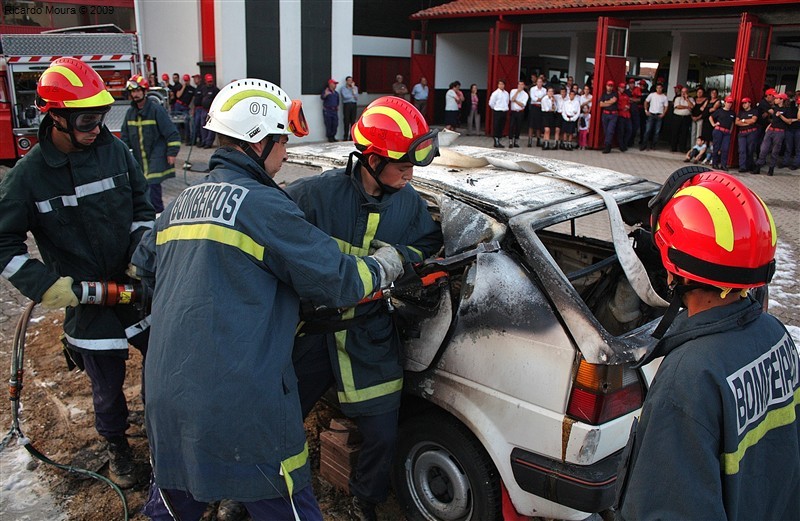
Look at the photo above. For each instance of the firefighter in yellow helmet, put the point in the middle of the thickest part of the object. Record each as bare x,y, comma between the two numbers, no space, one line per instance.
718,436
369,200
83,197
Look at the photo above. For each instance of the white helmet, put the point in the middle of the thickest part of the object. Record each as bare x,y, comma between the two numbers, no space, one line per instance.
252,109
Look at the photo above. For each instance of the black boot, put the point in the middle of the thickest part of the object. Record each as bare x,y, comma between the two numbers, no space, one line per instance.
497,143
516,143
771,171
362,510
545,145
607,150
530,142
538,142
121,468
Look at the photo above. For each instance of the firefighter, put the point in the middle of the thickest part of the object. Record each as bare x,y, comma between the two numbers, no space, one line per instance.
718,436
83,197
153,137
230,257
368,200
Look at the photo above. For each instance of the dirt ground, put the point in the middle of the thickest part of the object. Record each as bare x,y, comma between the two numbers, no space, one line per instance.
57,417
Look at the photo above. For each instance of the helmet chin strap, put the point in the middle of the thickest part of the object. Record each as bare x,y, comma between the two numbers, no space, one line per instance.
375,173
259,159
677,292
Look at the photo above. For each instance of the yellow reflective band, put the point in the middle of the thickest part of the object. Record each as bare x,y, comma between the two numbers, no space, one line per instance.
291,464
723,226
398,118
101,99
141,122
376,391
773,420
772,228
359,138
239,96
212,232
158,175
372,227
68,74
365,274
174,144
394,155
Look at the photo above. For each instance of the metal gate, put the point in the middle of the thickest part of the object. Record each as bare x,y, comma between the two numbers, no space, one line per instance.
504,56
610,56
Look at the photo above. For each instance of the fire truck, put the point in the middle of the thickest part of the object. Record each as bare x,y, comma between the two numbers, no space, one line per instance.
23,58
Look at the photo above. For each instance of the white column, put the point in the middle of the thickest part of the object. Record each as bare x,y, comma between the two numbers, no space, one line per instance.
230,41
580,46
678,63
291,43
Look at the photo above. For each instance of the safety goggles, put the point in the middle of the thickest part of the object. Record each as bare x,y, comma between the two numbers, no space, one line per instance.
132,85
424,149
297,120
87,121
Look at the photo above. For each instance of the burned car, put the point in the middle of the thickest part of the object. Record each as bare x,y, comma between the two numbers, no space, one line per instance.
518,362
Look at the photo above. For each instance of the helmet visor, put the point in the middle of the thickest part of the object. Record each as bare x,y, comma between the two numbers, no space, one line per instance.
133,85
424,149
87,121
297,120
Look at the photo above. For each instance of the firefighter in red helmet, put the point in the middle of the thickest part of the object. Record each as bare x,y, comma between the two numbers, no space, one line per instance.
369,202
718,436
83,197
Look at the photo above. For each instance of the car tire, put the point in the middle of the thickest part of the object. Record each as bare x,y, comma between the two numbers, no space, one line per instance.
442,473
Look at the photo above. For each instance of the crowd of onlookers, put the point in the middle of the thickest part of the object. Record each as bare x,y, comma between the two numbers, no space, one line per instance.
700,124
189,103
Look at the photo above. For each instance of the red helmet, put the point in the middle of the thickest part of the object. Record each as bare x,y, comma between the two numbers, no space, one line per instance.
71,84
137,81
209,78
715,230
393,128
186,77
165,77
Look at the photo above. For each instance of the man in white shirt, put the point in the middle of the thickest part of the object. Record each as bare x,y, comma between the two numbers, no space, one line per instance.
655,108
498,102
518,101
535,119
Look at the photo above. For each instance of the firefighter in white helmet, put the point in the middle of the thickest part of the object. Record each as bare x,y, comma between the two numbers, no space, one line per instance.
229,259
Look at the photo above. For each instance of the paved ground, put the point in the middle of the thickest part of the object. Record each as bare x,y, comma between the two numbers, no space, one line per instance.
781,193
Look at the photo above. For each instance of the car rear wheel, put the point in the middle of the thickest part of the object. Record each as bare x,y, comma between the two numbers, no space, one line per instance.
442,473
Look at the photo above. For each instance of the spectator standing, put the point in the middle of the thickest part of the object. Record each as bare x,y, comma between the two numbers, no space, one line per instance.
518,101
570,112
765,112
722,120
698,109
92,239
624,126
714,104
150,133
747,128
609,115
251,449
419,93
782,117
358,355
202,103
498,103
584,124
636,110
474,117
655,108
349,94
170,90
330,110
183,107
452,105
682,119
399,88
559,94
535,119
729,368
549,115
792,140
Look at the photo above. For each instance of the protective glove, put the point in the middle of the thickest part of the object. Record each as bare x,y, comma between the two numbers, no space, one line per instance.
60,295
390,262
131,272
375,244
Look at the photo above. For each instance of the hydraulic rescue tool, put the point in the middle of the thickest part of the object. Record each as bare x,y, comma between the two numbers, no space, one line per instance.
107,293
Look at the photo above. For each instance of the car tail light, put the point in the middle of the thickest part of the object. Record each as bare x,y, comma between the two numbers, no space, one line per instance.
603,392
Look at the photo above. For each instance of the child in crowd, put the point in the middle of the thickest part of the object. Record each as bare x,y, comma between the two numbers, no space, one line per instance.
709,154
584,121
696,153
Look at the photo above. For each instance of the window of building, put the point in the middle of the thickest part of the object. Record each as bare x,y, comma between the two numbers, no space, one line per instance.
376,74
617,42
